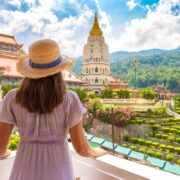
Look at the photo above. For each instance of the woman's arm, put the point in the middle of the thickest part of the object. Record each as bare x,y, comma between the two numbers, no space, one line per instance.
5,133
80,143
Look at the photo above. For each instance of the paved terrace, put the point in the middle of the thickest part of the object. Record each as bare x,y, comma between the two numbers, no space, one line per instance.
106,167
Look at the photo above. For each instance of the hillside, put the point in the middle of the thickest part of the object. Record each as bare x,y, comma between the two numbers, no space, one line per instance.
155,66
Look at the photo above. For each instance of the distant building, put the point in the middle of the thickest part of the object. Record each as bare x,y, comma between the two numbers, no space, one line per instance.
96,66
9,52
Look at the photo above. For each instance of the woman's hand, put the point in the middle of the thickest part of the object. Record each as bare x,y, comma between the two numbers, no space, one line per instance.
99,152
4,153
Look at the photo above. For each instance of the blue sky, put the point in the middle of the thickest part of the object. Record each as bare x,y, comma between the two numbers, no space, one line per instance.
130,25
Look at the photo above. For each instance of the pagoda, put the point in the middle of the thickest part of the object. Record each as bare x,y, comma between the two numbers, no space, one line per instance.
96,67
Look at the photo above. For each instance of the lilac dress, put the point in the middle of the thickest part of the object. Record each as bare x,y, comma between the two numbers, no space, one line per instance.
43,153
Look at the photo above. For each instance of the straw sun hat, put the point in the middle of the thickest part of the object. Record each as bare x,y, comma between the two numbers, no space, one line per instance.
44,59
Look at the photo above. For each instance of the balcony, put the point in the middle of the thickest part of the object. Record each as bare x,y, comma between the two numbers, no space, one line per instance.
106,167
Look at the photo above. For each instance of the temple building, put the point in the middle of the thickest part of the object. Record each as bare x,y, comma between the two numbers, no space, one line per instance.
9,52
96,66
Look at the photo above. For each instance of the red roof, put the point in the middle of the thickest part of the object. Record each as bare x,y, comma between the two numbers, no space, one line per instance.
4,38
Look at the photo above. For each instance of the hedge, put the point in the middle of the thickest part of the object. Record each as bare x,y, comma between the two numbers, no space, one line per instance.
14,142
141,141
162,146
170,148
148,143
155,127
133,148
170,157
159,154
178,139
155,144
124,145
177,149
171,138
134,139
150,152
142,150
157,135
165,129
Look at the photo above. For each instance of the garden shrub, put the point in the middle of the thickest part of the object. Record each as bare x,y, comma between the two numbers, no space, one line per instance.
165,129
155,127
148,143
159,154
142,150
124,145
164,136
132,121
134,139
150,152
123,94
172,130
177,150
141,141
139,121
162,146
107,93
81,93
157,135
6,88
178,161
155,144
133,148
170,157
147,93
92,95
178,132
171,138
14,142
170,148
152,122
176,127
178,139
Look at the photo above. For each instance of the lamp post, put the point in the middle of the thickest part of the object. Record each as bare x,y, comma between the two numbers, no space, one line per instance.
112,121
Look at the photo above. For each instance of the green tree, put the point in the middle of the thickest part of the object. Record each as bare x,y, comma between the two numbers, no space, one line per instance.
107,93
147,93
92,95
7,88
81,93
123,94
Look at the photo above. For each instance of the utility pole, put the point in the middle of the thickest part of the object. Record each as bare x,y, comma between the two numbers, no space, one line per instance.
135,72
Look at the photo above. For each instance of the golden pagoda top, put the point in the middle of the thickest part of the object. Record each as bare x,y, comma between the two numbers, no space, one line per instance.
95,31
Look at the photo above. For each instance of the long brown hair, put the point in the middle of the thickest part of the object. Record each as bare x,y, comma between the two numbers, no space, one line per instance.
41,95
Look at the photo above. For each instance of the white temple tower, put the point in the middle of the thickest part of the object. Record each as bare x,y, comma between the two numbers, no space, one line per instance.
96,67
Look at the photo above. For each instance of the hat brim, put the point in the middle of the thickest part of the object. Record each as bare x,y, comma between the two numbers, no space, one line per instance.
23,67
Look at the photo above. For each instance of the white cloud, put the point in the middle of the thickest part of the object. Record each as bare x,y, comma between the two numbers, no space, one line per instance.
131,4
41,22
16,3
159,29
